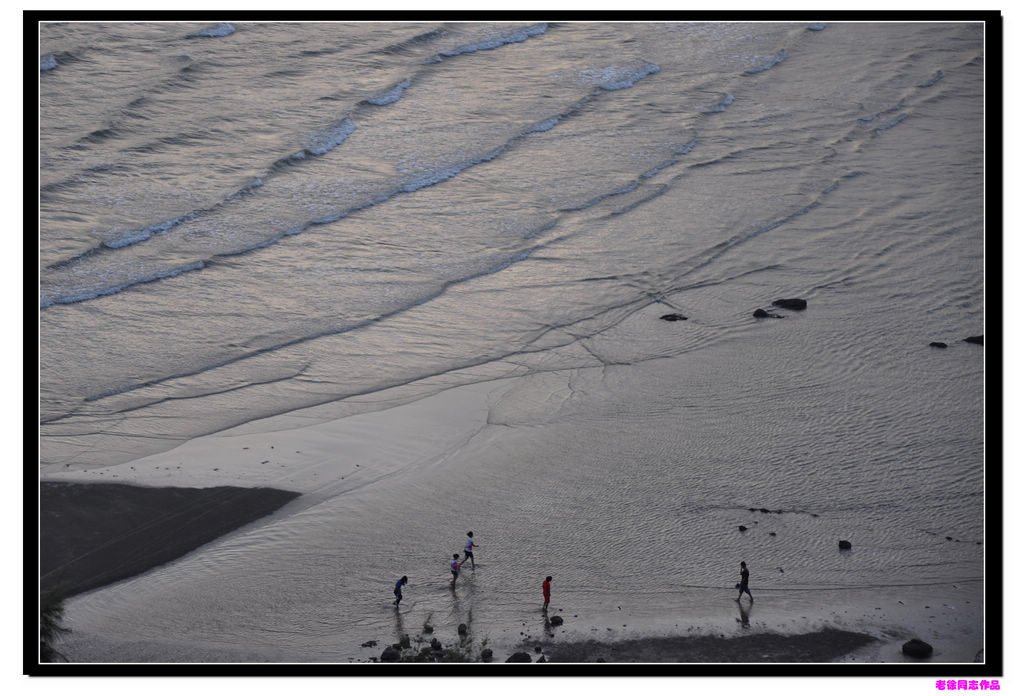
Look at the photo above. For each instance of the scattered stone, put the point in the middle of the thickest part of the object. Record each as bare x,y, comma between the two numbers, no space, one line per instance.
403,641
541,659
427,628
843,544
435,644
486,654
761,314
369,644
390,654
463,629
938,344
742,528
673,317
519,657
949,538
794,303
917,648
537,648
980,340
557,621
771,533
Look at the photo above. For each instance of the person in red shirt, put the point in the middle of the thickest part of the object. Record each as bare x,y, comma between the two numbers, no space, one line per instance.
547,592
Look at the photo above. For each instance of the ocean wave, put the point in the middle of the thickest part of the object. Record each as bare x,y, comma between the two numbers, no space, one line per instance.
224,29
47,62
390,96
327,140
817,26
769,63
495,41
616,77
91,294
889,124
726,100
935,78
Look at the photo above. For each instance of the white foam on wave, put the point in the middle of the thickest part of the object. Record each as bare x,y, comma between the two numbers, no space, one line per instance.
493,41
817,26
390,96
47,62
616,77
224,29
769,63
331,138
141,235
92,294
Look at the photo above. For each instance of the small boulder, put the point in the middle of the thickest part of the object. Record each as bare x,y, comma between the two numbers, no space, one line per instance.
742,528
557,621
541,659
519,657
427,628
435,644
370,644
761,314
794,303
403,641
843,544
938,344
486,654
980,340
463,629
390,654
673,317
917,648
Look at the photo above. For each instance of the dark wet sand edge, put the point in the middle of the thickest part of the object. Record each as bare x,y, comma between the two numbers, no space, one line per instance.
824,645
94,534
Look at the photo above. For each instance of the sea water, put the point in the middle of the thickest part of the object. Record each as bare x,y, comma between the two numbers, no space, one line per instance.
449,246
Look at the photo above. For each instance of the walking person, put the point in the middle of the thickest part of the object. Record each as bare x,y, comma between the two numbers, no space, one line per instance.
398,590
455,569
546,587
469,550
744,579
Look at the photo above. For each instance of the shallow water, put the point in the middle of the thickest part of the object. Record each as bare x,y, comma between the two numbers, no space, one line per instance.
499,215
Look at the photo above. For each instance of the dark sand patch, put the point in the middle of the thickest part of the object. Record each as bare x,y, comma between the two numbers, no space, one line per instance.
93,534
821,646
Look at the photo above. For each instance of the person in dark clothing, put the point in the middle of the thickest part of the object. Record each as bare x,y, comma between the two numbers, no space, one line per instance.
744,579
398,589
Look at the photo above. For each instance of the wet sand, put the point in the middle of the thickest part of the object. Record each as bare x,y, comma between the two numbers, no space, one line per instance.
820,646
98,533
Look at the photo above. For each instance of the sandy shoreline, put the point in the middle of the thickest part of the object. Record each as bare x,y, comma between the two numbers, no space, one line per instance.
94,534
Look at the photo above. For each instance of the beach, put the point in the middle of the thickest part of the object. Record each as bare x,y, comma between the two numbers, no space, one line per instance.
632,302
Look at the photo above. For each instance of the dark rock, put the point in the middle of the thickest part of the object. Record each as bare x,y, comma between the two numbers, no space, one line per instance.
917,648
541,659
557,621
742,528
369,644
673,317
403,642
843,544
949,538
938,344
486,654
390,654
794,303
771,533
519,657
435,644
761,314
980,340
537,648
427,628
765,510
463,629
